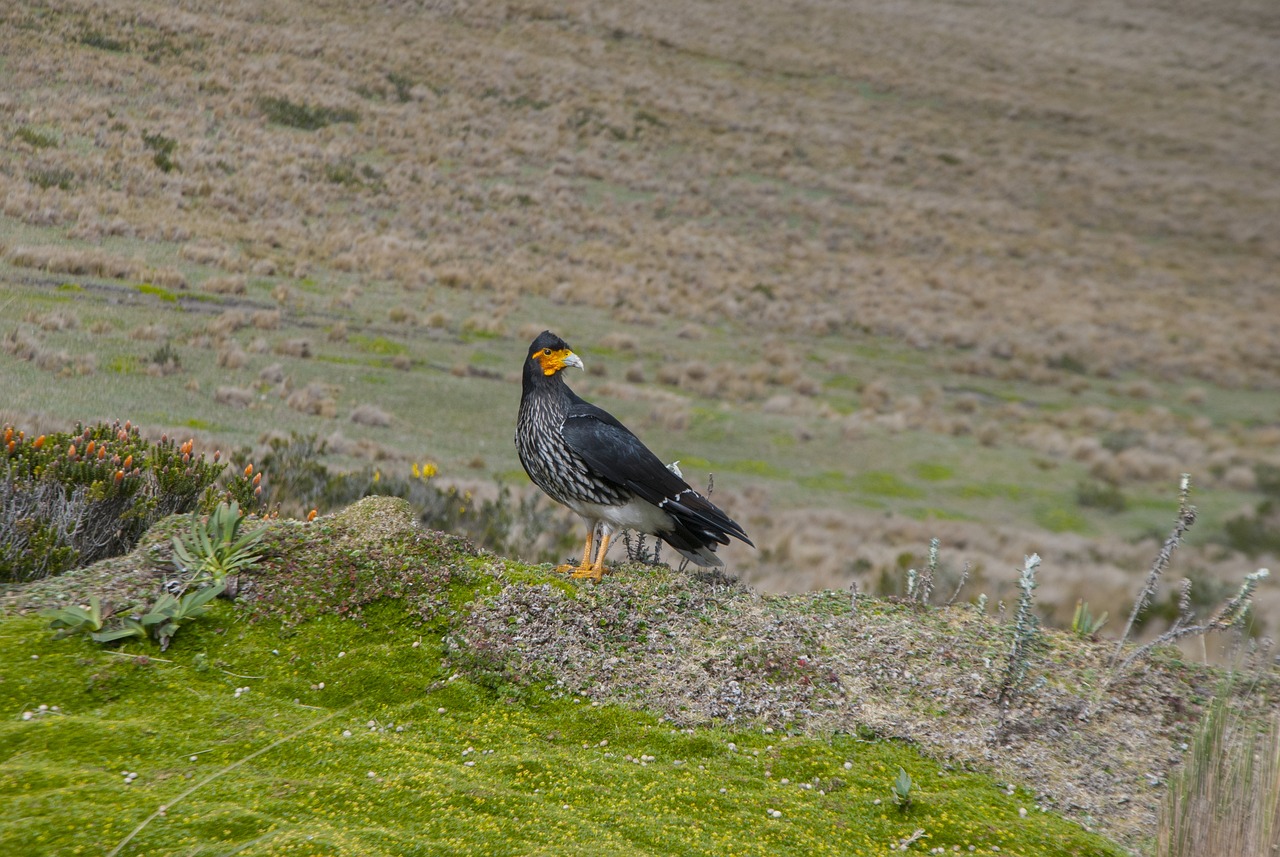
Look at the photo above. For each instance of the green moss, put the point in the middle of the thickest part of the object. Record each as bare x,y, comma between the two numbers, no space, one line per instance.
158,291
366,745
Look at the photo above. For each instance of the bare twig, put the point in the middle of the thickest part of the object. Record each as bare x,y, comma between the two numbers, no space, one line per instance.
1186,518
964,578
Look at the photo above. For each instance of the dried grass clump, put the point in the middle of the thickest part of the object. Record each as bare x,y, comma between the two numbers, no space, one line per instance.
25,346
316,399
614,340
150,332
266,319
227,323
53,321
63,260
234,397
370,415
299,347
338,332
204,254
400,315
490,325
167,278
876,396
231,284
232,356
273,374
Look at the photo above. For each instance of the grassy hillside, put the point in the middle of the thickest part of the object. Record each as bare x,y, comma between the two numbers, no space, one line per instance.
358,697
996,275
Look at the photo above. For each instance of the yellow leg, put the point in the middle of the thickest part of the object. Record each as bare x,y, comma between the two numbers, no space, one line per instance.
586,555
595,572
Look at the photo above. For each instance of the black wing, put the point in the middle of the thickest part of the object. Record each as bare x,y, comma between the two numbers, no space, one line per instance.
614,453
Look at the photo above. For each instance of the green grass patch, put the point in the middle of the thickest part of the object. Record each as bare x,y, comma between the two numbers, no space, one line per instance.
379,345
124,364
36,138
992,491
306,117
931,472
351,739
754,467
877,483
157,291
1059,519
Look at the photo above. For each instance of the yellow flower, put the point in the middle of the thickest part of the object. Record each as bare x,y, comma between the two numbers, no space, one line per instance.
377,476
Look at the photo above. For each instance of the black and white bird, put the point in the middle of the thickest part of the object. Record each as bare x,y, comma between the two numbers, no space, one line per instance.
582,457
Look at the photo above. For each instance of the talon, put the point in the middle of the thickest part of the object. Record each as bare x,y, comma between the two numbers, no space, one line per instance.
594,574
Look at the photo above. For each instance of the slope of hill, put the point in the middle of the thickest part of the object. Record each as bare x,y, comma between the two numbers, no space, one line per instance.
380,689
988,272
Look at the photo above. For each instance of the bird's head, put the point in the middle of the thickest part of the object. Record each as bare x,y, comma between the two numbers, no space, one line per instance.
549,354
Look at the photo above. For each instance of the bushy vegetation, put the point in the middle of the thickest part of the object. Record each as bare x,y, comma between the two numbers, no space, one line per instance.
72,498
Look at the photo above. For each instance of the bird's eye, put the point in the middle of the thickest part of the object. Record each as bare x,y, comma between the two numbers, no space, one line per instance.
546,351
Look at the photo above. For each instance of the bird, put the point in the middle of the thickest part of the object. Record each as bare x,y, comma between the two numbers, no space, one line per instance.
582,457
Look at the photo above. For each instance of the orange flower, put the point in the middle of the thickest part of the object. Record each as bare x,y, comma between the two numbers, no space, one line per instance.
88,450
39,442
311,516
8,434
119,476
102,452
248,470
71,452
257,480
128,462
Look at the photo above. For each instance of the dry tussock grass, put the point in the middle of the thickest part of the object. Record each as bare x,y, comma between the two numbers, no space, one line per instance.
317,399
842,190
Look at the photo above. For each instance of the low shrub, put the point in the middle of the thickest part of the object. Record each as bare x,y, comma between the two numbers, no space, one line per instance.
72,498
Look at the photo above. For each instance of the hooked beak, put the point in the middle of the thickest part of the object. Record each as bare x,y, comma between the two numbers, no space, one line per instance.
572,359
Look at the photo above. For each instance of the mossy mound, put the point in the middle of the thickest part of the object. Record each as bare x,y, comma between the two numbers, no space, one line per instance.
347,702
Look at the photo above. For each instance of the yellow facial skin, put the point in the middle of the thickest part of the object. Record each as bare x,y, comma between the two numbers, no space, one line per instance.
552,361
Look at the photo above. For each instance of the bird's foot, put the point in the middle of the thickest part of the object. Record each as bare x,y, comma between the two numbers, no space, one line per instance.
593,573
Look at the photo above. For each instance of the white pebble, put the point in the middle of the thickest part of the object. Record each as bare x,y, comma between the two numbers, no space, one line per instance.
1022,812
848,765
342,654
346,733
439,711
371,775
